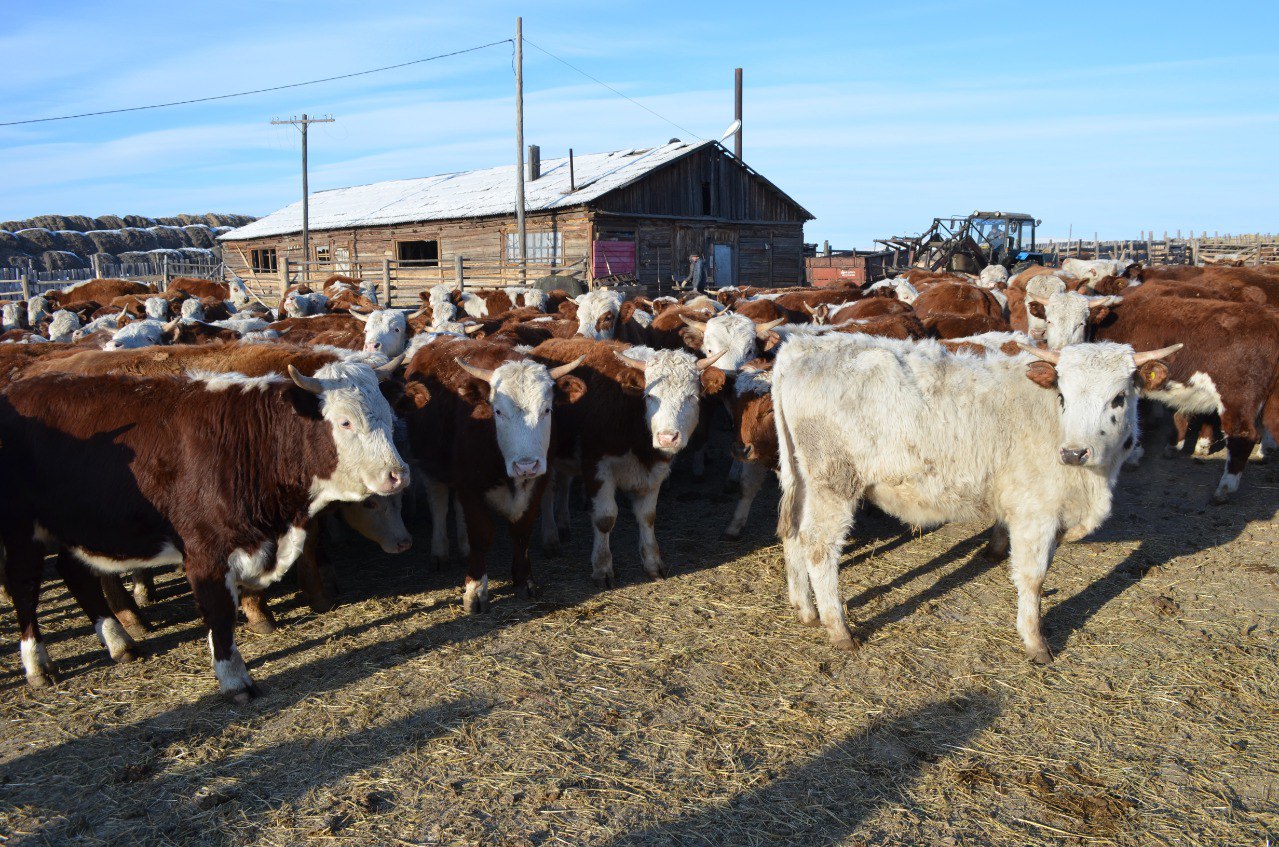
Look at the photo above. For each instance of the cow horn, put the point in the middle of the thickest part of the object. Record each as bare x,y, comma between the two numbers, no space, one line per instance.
385,372
471,329
171,325
762,330
479,373
306,383
359,317
700,326
565,370
634,363
1104,300
809,309
703,364
420,312
1036,299
1152,355
1051,356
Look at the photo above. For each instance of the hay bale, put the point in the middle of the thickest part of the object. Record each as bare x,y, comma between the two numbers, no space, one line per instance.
168,237
218,219
168,220
139,238
77,242
139,221
36,240
198,255
108,222
16,259
199,235
61,260
74,222
133,256
158,256
13,226
108,241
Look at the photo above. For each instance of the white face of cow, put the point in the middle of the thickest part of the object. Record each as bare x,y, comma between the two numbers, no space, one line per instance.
361,422
12,317
380,520
145,333
731,335
597,314
385,332
521,394
63,326
442,313
192,310
1096,391
672,395
1065,319
37,310
1040,288
157,308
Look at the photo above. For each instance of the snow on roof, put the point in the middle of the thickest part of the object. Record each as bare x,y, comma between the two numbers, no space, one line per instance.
470,194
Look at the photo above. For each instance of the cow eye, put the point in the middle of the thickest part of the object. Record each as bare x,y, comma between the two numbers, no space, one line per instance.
1118,401
346,424
497,411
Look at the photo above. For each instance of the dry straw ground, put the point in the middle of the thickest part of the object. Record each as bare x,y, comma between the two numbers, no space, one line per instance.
698,711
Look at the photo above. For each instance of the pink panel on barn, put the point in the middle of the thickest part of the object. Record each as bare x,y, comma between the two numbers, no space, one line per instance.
613,257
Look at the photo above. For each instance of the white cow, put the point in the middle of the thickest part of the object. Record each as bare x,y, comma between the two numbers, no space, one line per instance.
597,314
156,308
731,338
906,425
145,333
192,310
63,325
38,309
993,276
12,315
905,291
1093,270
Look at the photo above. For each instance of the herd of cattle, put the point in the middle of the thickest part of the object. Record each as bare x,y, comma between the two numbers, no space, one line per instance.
200,427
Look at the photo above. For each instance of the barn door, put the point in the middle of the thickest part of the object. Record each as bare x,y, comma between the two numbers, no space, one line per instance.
723,265
341,260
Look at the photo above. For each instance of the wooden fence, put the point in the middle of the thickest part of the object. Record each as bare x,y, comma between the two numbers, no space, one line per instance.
23,283
1153,249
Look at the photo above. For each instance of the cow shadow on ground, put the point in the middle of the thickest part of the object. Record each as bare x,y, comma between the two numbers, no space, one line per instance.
827,799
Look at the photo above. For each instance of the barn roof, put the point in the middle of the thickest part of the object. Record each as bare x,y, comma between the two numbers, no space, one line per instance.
469,194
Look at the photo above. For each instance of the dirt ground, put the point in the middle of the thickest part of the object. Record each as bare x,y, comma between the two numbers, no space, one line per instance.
697,710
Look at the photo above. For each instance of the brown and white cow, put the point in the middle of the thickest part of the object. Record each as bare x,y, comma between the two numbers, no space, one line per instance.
220,474
479,424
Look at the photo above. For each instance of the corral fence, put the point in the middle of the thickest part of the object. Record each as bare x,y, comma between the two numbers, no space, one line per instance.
1151,249
401,283
17,283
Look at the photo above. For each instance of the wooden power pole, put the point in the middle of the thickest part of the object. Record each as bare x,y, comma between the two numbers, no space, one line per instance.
303,122
737,113
519,147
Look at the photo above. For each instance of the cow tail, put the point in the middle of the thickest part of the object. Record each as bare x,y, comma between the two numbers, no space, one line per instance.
788,514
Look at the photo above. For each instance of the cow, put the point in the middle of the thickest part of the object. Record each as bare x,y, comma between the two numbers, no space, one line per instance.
754,439
39,309
479,423
1094,269
902,288
1231,366
732,339
906,426
993,276
386,331
63,325
145,333
639,409
219,473
101,290
200,288
14,317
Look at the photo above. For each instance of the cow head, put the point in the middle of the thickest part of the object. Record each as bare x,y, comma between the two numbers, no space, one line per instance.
521,394
732,339
672,393
145,333
1067,316
192,310
13,317
442,313
156,308
361,423
597,314
380,520
38,309
1038,291
385,331
754,430
63,326
1096,388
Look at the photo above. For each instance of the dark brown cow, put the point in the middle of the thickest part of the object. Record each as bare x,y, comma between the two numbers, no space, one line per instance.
1230,365
951,298
479,424
220,475
634,417
868,307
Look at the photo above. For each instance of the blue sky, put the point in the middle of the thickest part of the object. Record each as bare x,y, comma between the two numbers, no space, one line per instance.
1107,117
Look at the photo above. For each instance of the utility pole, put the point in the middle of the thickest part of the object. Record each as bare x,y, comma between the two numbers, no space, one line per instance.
519,146
303,122
737,113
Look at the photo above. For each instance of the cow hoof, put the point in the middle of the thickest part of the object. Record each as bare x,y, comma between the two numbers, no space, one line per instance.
1220,497
1040,655
319,605
42,679
846,642
474,605
126,655
809,617
244,695
657,575
1171,451
528,591
730,536
137,631
266,627
439,563
602,581
994,552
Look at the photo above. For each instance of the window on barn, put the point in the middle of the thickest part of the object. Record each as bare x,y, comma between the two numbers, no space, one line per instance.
539,246
264,260
322,254
420,253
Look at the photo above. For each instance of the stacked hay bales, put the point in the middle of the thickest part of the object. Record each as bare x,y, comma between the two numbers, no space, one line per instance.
66,242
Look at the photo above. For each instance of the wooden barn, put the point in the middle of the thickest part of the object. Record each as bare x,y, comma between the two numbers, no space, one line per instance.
629,215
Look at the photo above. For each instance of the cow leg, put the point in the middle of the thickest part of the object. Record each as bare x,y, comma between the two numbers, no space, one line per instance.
143,587
253,604
459,520
311,583
1032,550
602,494
124,606
24,571
1177,438
550,533
644,505
216,604
733,482
521,530
1241,437
479,525
437,494
828,516
996,549
563,482
798,589
87,591
1207,435
752,476
698,461
1268,445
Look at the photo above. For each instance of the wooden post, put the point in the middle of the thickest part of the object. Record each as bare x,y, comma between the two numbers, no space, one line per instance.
26,287
459,273
164,273
521,253
386,283
284,275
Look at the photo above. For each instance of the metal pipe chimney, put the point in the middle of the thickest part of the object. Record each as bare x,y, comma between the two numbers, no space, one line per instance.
534,162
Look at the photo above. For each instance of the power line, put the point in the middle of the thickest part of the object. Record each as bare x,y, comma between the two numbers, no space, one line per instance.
614,90
259,90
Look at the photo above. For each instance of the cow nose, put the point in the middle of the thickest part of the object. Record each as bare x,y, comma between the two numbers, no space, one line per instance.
667,439
396,480
1075,457
527,467
404,545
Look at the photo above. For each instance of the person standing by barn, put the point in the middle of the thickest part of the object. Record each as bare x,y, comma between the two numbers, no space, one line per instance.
696,278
